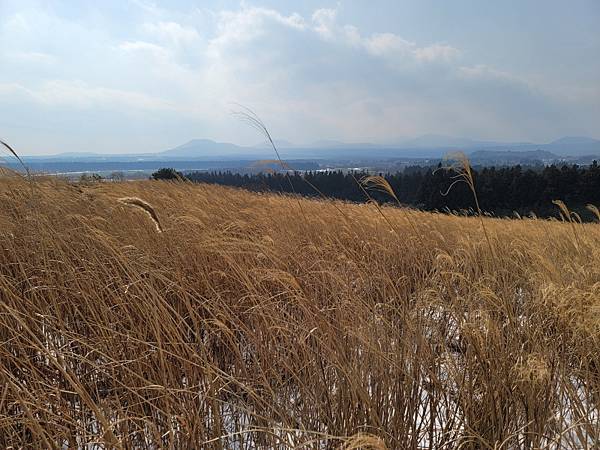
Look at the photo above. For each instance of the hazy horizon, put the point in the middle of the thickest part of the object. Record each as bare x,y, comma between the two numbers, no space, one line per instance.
138,76
319,144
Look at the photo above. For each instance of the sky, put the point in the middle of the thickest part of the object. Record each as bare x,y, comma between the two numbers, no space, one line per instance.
122,76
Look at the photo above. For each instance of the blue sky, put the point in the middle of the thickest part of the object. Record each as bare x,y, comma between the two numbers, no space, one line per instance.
136,75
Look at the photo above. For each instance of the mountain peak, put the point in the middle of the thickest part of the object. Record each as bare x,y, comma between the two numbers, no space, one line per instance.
202,148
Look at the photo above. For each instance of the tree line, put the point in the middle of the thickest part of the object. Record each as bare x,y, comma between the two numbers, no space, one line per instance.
501,191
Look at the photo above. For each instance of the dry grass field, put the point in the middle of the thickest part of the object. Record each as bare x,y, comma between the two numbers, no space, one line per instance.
242,321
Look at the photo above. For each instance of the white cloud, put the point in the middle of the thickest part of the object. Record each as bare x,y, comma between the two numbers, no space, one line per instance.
482,71
141,46
325,22
33,57
171,32
248,24
436,52
382,44
385,45
80,95
7,89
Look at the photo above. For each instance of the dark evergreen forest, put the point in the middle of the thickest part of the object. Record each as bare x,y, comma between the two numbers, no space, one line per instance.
501,191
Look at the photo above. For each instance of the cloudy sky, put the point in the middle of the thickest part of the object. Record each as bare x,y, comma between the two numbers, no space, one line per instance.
141,75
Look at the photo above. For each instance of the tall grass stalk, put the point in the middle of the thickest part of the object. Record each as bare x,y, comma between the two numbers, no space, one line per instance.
462,168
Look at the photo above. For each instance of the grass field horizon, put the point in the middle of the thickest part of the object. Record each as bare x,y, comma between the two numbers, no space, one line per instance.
180,315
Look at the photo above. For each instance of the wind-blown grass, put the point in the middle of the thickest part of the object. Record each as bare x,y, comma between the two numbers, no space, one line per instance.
144,206
243,325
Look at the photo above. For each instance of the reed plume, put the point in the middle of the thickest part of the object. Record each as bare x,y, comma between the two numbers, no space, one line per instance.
144,206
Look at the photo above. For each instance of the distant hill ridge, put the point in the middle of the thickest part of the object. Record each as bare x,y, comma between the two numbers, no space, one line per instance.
575,140
428,146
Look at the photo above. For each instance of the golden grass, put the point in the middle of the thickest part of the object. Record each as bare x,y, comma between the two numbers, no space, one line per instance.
245,324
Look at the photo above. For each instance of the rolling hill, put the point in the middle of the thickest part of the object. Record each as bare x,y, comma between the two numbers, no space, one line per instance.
172,315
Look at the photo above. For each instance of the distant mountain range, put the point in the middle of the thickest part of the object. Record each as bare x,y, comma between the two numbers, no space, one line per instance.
428,146
424,146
